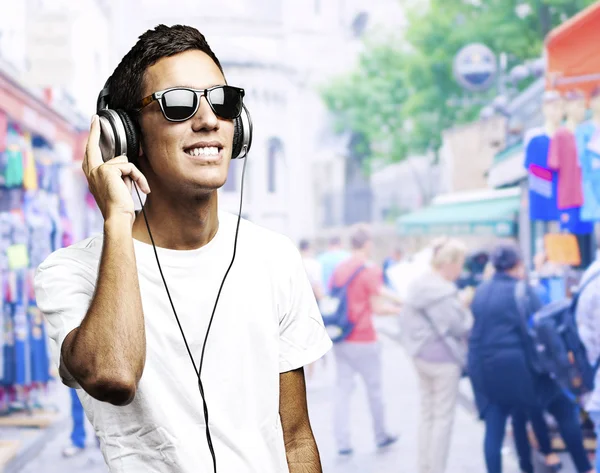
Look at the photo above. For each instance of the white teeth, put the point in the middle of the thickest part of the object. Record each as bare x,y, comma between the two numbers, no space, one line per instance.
205,151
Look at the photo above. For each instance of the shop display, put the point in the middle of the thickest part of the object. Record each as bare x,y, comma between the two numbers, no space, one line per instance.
543,181
33,223
562,157
588,147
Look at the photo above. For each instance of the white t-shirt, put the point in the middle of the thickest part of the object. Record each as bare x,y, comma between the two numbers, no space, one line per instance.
267,322
314,271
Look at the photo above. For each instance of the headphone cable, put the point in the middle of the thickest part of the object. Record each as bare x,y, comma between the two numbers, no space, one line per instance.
198,370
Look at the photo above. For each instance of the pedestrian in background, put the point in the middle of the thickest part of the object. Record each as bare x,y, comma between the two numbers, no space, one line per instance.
313,268
331,258
78,431
390,262
501,363
314,271
520,418
588,324
360,352
435,323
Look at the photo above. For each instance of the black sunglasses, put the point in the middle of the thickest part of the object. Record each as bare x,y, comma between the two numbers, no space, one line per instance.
181,103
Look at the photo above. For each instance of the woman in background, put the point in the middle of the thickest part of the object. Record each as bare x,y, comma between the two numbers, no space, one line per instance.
435,323
501,368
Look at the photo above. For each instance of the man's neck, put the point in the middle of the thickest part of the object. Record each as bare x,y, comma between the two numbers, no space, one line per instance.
177,223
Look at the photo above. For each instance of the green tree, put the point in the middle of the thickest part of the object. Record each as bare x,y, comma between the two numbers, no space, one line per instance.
397,97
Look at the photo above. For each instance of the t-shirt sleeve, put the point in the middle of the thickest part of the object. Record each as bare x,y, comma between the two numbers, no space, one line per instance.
302,335
64,288
374,280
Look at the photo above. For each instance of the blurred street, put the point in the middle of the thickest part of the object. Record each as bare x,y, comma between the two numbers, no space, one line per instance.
403,411
420,156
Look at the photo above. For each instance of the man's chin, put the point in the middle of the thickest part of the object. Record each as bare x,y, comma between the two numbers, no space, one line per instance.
207,186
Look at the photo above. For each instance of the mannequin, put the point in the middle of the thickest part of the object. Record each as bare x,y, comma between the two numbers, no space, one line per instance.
543,180
575,109
564,160
588,151
595,106
553,109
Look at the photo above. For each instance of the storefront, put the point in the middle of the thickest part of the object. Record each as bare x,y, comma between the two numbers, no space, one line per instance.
487,214
38,196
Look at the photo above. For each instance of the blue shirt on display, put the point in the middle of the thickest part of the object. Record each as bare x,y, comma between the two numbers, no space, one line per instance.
543,182
589,160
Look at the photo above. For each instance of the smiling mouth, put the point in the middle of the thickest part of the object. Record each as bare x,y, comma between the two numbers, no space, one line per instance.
204,151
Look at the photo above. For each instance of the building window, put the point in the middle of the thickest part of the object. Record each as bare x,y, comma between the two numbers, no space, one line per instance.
274,161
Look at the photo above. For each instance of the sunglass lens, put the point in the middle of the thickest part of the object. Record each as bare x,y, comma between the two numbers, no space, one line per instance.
179,104
226,101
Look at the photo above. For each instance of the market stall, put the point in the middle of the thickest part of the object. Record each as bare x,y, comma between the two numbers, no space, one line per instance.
37,147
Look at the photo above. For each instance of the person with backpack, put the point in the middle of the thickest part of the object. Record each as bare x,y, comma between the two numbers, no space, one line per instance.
503,366
588,323
359,286
520,419
434,327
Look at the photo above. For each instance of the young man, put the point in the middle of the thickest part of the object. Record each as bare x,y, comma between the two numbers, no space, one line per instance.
110,317
359,353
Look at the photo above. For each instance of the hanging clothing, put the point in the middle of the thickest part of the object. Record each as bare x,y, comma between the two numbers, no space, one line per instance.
3,130
571,222
562,157
30,179
543,182
589,160
14,167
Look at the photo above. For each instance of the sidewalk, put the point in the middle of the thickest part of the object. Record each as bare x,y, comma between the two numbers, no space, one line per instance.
43,454
402,402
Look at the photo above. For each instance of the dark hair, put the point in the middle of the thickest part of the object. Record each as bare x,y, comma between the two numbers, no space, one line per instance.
127,81
360,235
304,245
505,257
334,241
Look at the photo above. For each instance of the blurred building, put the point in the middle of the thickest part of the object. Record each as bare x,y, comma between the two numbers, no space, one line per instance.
280,51
69,75
468,151
402,187
54,56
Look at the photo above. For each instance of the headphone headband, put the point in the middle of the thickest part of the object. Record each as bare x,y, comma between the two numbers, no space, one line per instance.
102,101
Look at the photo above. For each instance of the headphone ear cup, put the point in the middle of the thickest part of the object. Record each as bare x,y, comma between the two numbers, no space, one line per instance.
242,135
131,136
112,134
238,138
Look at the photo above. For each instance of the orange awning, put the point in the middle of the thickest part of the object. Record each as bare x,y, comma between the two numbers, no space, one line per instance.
573,57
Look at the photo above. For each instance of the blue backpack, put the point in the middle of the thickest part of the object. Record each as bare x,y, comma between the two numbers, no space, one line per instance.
334,309
559,350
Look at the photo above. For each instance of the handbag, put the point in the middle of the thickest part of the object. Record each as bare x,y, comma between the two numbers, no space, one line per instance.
443,338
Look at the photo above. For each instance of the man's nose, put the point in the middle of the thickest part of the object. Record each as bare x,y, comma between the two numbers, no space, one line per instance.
205,118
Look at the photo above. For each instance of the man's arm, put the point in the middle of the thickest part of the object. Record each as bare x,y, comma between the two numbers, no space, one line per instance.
385,301
300,446
107,352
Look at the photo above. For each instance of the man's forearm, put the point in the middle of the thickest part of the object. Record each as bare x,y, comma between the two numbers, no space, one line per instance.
303,456
389,295
109,347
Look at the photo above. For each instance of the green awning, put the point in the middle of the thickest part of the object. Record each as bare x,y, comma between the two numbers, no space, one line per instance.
496,216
